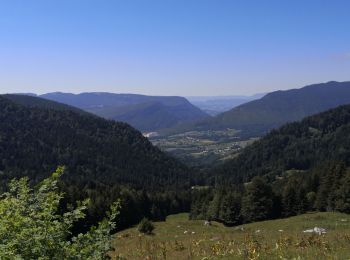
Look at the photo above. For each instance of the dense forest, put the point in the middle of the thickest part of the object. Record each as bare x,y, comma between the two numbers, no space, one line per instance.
300,167
104,160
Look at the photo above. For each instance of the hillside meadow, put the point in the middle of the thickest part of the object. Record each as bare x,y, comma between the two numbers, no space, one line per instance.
180,238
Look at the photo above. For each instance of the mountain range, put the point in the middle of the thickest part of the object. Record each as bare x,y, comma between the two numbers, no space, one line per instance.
145,113
258,117
303,164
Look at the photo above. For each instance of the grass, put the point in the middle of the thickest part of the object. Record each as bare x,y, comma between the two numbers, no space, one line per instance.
180,238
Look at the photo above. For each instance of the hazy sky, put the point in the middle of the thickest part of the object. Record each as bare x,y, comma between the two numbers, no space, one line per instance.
173,47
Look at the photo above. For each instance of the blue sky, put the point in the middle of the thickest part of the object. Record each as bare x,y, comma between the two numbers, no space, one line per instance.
174,47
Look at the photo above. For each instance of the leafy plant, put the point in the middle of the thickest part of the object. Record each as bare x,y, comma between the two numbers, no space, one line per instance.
32,228
146,226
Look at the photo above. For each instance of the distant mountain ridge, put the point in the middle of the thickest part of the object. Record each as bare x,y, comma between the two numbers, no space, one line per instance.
257,117
214,105
146,113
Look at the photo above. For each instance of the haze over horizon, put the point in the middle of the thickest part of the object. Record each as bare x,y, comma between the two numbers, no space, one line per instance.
183,48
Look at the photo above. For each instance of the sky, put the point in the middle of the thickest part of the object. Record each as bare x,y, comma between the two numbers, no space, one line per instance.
178,47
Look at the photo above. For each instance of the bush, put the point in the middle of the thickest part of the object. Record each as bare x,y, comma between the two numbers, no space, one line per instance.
146,226
31,228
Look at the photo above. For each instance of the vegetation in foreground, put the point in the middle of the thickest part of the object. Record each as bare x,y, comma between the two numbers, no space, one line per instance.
31,226
180,238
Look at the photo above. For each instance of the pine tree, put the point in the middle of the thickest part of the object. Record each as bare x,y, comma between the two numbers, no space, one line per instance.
289,199
257,202
230,212
342,202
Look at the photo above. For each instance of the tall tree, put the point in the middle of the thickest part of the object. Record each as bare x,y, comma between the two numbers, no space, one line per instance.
258,201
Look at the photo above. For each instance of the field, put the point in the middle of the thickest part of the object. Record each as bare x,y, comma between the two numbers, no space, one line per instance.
180,238
202,147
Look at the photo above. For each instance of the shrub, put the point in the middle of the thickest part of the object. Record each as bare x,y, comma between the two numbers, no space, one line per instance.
31,228
146,226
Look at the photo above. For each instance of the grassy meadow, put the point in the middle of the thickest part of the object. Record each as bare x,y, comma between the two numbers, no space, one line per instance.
180,238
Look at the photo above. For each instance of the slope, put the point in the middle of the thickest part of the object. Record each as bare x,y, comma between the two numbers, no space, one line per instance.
138,110
299,145
257,117
104,159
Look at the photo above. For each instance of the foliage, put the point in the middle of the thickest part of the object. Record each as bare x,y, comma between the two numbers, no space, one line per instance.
145,226
32,228
323,188
258,202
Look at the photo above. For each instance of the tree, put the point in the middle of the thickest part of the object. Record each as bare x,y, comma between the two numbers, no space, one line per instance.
257,202
215,205
146,226
331,176
342,202
31,228
289,199
230,212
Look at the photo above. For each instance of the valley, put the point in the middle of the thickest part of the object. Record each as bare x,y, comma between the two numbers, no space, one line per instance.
174,130
202,148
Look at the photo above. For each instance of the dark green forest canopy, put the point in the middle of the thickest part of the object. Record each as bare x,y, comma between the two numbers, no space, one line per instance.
34,141
104,159
300,145
32,101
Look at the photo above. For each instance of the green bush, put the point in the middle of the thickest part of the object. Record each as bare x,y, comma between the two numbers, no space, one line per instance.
146,226
31,228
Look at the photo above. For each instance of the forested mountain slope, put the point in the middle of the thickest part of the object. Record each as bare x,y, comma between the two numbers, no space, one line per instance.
302,166
104,159
146,113
257,117
299,145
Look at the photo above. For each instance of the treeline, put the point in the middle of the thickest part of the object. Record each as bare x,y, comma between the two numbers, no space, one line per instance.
135,203
324,188
104,160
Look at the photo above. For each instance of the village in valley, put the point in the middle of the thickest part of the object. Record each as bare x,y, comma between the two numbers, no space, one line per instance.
201,147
